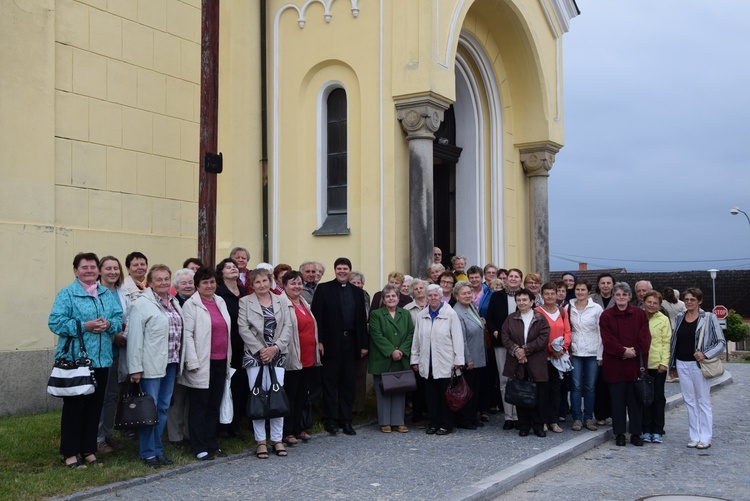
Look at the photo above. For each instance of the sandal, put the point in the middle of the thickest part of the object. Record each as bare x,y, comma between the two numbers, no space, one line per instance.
304,436
74,465
290,440
279,449
92,462
262,451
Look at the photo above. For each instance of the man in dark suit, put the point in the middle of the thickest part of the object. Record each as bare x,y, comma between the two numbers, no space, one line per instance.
339,310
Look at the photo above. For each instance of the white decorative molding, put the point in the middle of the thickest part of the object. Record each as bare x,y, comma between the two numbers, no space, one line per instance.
446,63
301,11
489,81
564,11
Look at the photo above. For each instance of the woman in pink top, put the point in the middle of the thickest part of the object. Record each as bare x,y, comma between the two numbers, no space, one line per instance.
207,356
559,327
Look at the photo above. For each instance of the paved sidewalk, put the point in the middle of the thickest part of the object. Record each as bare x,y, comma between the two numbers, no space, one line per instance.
608,472
478,464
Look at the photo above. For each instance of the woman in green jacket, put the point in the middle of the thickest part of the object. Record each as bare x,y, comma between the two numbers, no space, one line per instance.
391,333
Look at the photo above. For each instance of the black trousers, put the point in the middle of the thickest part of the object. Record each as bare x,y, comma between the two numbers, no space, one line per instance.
296,385
653,415
203,412
622,397
79,423
553,394
419,400
240,391
468,413
602,401
438,412
535,418
489,389
339,383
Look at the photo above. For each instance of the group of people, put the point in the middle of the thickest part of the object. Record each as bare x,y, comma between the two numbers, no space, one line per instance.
182,336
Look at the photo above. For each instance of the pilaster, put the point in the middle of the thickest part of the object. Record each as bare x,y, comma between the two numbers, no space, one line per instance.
537,160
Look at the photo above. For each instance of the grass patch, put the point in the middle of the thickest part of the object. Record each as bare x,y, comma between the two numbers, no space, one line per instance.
30,466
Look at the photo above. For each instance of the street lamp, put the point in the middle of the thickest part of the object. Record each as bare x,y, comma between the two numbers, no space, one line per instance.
713,282
736,210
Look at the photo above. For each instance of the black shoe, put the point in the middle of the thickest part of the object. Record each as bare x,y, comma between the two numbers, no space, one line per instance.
636,440
479,424
219,453
152,463
523,433
347,429
620,440
207,457
431,430
540,433
164,461
331,428
443,431
509,425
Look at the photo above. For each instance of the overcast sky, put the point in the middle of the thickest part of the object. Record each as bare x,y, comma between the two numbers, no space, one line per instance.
657,142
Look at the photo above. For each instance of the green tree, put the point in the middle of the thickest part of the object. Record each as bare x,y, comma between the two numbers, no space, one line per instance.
736,329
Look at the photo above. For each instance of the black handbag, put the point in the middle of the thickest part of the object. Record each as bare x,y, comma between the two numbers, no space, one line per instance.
393,382
521,392
135,409
458,393
644,385
270,403
74,377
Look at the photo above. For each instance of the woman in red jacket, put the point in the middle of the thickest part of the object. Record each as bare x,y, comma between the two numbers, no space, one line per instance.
626,338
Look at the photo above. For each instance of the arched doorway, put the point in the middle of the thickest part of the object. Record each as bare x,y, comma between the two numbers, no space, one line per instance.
467,162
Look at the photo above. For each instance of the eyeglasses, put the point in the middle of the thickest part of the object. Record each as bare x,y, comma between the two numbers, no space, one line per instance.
689,299
446,282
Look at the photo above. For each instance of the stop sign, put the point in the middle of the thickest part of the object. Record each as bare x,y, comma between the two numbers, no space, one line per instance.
721,312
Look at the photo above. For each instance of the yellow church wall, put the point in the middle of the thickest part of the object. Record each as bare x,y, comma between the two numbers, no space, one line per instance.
100,137
309,59
239,187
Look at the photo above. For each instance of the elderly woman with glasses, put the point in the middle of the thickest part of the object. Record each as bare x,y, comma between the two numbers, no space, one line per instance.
447,282
626,339
533,282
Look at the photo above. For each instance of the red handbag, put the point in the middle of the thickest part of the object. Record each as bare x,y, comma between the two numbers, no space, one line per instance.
458,393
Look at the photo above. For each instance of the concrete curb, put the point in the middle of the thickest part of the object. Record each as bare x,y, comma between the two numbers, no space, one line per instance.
494,485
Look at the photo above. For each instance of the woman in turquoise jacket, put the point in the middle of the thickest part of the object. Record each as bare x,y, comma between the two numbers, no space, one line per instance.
92,306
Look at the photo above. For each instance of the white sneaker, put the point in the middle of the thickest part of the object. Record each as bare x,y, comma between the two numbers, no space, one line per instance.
693,444
703,445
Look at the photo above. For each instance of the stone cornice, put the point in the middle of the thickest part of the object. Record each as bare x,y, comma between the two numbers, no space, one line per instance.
537,159
564,10
421,115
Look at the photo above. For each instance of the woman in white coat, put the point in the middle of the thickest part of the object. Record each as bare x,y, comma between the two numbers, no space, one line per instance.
207,354
266,328
437,349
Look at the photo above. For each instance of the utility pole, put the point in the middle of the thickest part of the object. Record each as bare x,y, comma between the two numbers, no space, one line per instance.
208,130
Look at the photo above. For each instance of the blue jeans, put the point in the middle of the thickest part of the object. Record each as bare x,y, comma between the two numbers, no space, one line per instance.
582,384
160,390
